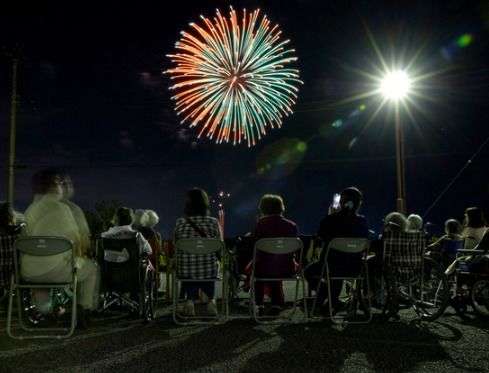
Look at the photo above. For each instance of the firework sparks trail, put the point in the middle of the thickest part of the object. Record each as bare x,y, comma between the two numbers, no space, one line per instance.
231,79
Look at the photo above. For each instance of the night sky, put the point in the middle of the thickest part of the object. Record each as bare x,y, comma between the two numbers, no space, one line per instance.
93,100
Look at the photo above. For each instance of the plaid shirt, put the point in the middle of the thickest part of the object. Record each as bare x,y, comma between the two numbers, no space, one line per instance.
191,265
404,252
7,240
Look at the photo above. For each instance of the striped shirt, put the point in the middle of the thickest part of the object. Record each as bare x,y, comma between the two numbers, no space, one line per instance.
191,265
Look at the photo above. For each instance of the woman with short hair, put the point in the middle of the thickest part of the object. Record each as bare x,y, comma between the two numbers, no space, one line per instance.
272,224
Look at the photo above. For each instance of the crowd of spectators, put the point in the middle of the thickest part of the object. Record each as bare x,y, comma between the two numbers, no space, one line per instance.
53,213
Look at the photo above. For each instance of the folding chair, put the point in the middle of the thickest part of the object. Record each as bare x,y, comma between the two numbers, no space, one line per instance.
414,279
46,247
127,276
286,246
353,252
199,248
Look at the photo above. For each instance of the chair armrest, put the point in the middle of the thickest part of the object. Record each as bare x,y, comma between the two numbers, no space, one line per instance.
470,251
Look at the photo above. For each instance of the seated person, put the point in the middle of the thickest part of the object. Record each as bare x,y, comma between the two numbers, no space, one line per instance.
474,226
472,262
343,223
414,223
9,231
395,222
147,219
273,224
123,229
197,222
444,250
48,215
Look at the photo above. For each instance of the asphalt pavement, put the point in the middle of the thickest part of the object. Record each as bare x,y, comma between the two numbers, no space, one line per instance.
115,342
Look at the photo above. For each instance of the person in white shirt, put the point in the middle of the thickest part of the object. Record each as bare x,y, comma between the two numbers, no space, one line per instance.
474,227
123,221
48,215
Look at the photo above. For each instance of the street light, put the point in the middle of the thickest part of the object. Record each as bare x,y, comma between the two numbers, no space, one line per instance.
395,87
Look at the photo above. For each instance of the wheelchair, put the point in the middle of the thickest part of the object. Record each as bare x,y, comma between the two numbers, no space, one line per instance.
402,277
239,253
471,283
128,278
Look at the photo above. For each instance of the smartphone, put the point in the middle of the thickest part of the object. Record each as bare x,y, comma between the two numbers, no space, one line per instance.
336,201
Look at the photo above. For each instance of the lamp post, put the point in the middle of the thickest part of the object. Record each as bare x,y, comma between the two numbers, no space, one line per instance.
395,87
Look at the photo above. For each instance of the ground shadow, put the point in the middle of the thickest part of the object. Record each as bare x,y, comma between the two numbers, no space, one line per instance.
320,347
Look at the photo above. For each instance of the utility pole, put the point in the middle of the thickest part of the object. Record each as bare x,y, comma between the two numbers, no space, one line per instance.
14,56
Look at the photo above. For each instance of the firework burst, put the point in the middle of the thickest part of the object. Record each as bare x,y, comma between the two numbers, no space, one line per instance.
231,79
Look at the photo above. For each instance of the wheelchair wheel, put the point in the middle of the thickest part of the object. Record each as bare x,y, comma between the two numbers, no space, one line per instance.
153,294
431,299
479,297
147,297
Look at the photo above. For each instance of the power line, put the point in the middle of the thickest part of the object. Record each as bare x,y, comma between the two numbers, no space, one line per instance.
469,162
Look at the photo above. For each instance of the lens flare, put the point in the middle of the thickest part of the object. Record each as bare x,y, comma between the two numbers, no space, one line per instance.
280,158
232,82
464,40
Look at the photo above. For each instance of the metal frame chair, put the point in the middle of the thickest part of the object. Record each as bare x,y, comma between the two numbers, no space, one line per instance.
199,246
353,246
41,246
125,270
471,282
279,246
413,278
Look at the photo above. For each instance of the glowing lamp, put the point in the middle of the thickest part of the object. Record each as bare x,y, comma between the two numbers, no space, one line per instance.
395,85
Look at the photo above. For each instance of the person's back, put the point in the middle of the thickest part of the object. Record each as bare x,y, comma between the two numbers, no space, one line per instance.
124,229
49,216
146,228
271,225
474,227
197,222
343,223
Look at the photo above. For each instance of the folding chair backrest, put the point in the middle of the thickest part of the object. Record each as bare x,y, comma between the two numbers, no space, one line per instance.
195,257
199,246
344,255
349,245
405,252
272,256
44,246
120,261
279,245
37,252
